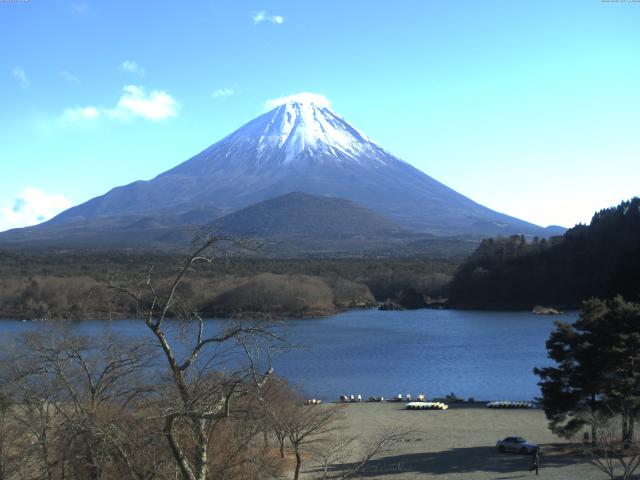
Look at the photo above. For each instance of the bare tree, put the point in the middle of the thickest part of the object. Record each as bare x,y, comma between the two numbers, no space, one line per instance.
331,454
614,454
339,458
98,381
37,417
203,387
72,395
11,438
278,403
376,446
237,451
309,425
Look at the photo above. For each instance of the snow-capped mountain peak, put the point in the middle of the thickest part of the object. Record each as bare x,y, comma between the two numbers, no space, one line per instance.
300,127
304,127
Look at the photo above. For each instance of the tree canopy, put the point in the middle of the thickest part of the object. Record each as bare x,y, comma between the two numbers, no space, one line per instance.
597,361
598,260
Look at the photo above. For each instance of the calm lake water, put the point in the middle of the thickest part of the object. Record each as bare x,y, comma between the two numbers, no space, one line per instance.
485,355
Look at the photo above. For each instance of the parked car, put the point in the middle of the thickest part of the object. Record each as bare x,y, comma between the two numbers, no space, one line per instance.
516,444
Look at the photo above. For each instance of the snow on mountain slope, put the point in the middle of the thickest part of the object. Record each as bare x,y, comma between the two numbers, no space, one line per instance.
304,127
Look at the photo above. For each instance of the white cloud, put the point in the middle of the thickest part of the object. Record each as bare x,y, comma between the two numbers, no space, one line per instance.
262,16
302,97
155,106
130,66
69,77
20,75
80,113
31,206
222,92
134,102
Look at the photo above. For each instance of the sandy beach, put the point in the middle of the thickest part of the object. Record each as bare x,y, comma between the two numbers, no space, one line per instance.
459,443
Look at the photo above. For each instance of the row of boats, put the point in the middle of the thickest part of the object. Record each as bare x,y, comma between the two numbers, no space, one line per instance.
420,402
426,406
510,405
399,398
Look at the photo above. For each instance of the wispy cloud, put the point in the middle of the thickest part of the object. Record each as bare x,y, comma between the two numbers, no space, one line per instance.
130,66
80,7
302,97
69,77
134,103
222,92
79,114
20,75
31,206
263,16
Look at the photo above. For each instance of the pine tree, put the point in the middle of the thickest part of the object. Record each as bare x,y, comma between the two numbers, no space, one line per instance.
597,360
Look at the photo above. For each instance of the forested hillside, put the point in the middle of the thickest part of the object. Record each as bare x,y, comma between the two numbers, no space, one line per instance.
597,260
56,284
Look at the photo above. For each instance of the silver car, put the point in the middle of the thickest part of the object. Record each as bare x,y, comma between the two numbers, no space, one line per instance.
516,444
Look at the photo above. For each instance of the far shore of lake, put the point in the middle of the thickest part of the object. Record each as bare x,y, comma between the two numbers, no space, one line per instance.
296,315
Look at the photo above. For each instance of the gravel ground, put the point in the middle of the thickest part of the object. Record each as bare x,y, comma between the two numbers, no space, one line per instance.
459,443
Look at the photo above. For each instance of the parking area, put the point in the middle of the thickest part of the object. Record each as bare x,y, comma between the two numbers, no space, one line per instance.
460,443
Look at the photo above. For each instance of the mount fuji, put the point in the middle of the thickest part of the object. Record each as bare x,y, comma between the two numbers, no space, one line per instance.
301,145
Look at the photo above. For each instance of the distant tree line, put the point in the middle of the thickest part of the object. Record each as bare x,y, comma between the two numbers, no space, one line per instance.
55,284
599,260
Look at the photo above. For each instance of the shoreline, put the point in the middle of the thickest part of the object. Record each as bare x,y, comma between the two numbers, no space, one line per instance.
479,404
283,316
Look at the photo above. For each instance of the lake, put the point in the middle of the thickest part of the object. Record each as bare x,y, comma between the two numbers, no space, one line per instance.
485,355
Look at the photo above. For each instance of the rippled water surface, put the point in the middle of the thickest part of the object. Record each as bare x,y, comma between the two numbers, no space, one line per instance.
486,355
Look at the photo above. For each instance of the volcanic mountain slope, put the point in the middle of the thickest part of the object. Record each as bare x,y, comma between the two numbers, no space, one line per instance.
297,224
299,214
300,146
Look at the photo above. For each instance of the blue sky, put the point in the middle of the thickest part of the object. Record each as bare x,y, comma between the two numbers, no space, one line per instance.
530,108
